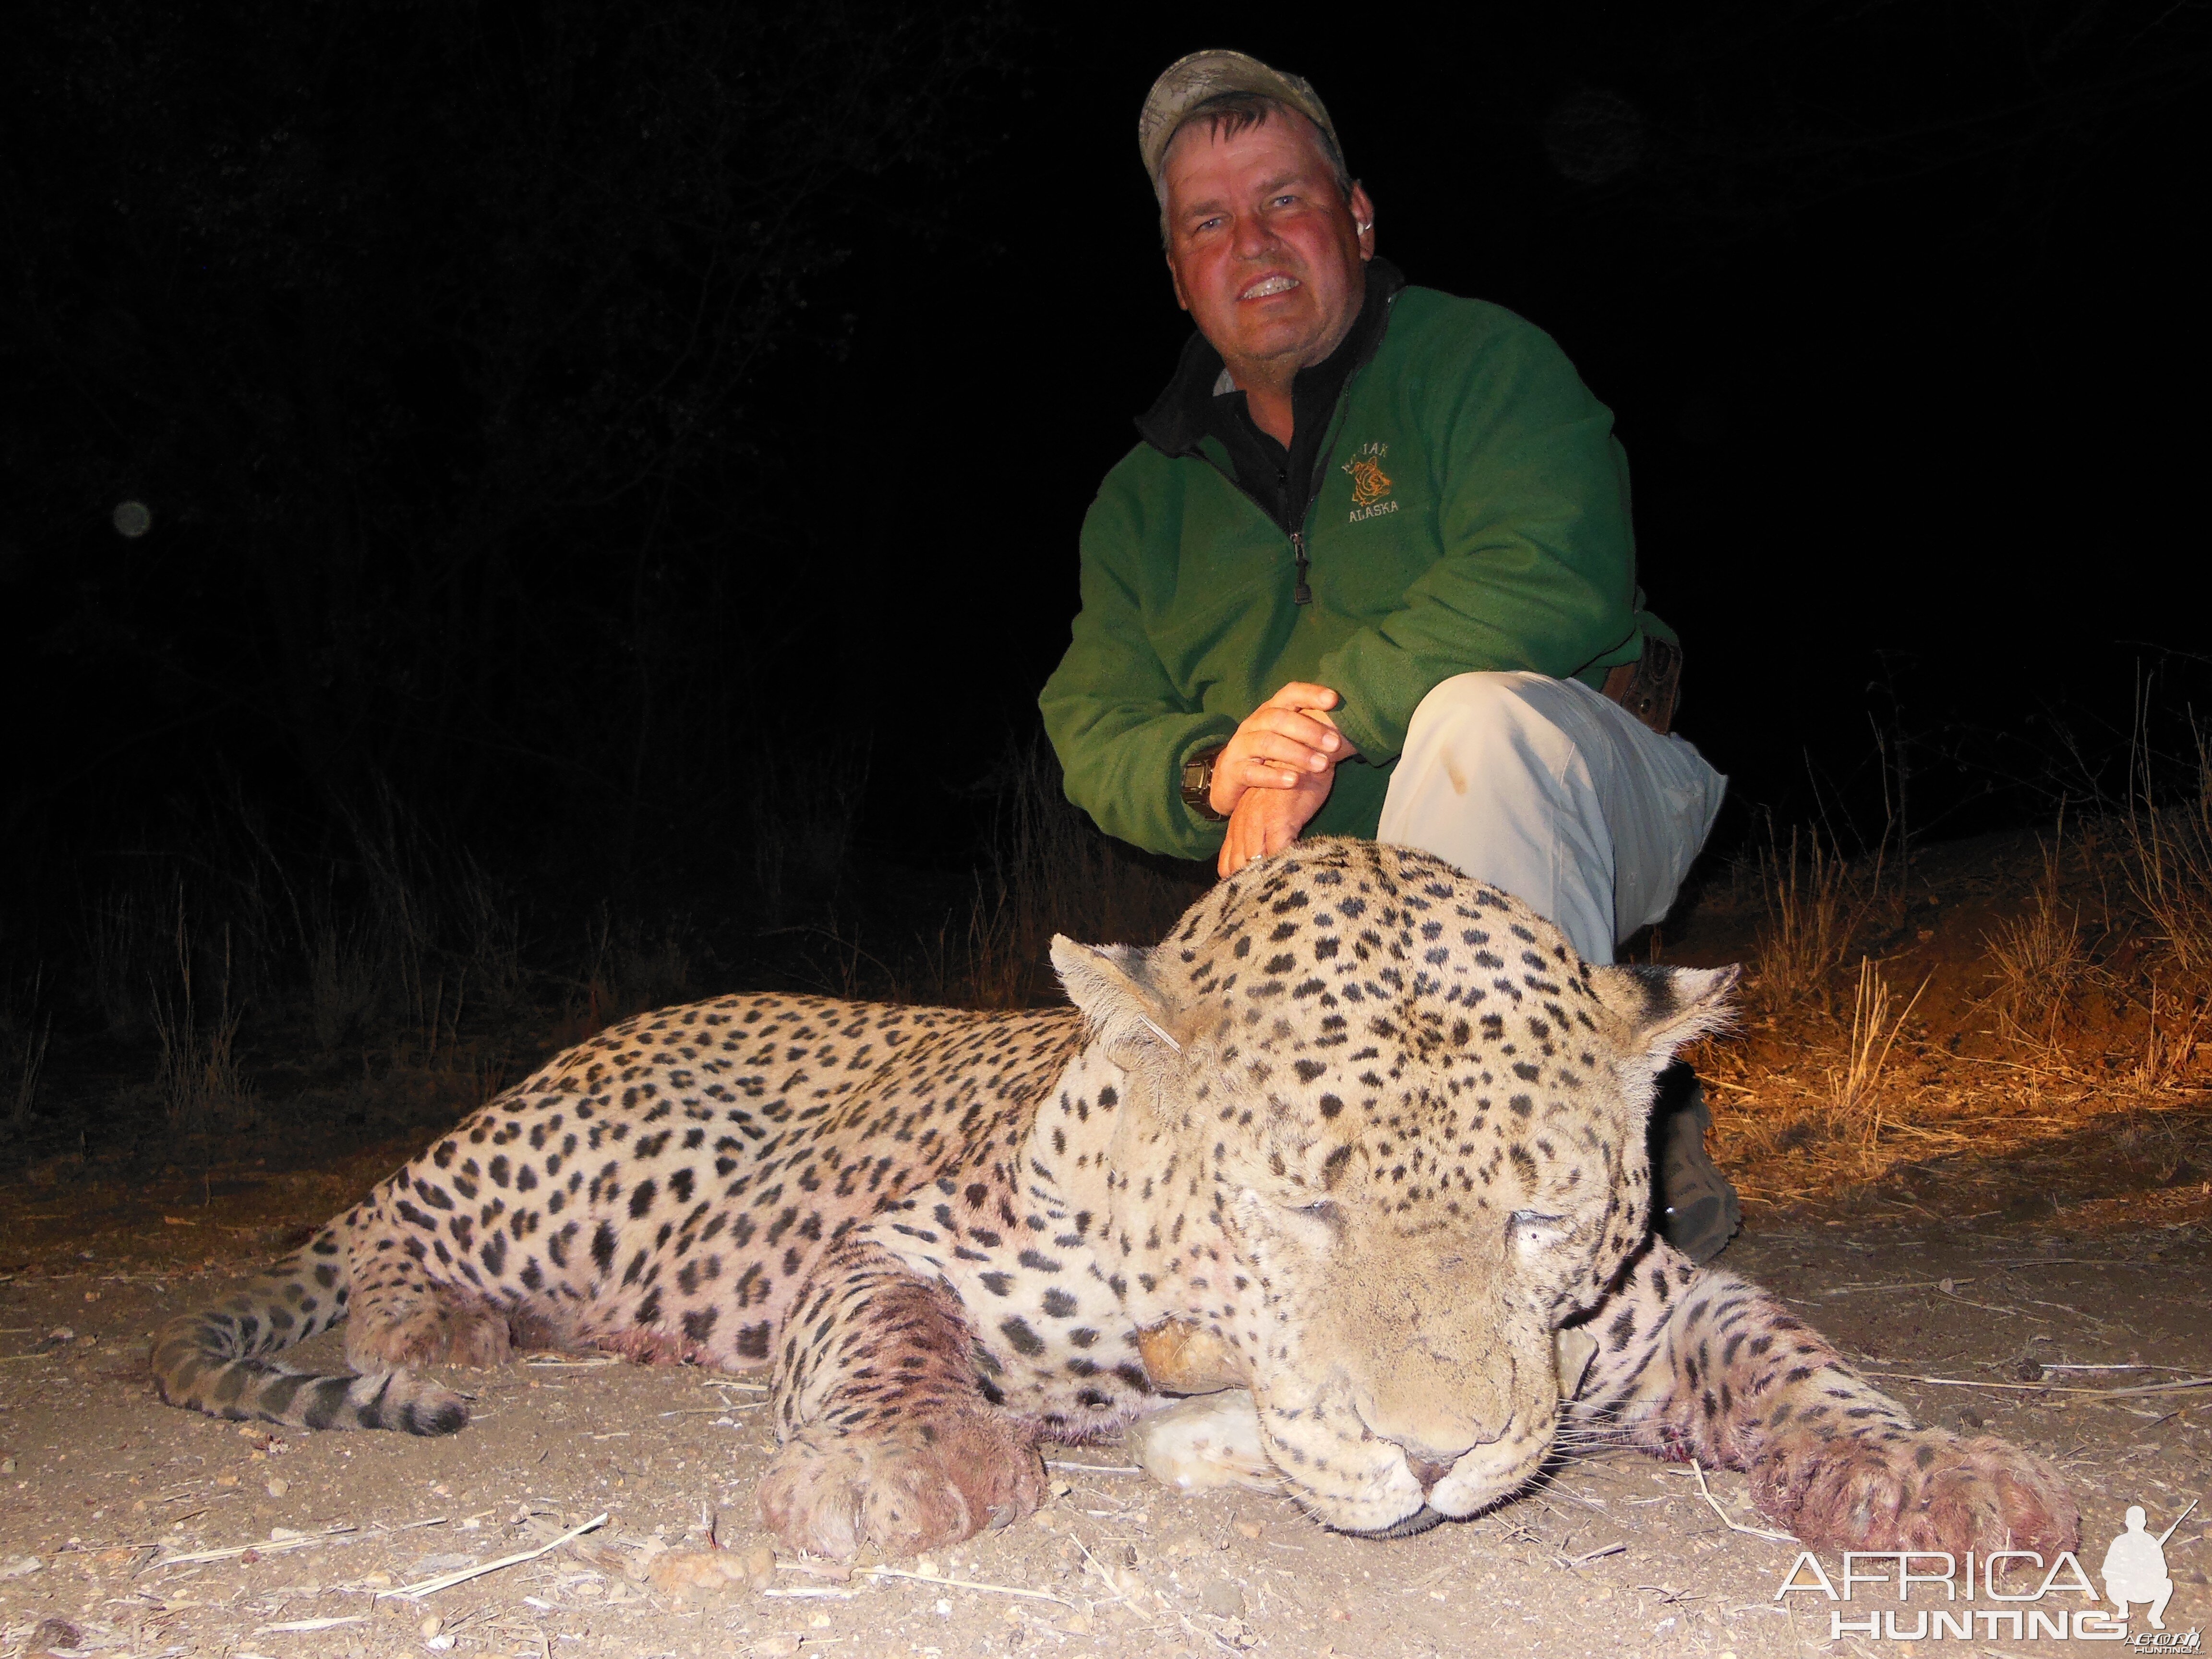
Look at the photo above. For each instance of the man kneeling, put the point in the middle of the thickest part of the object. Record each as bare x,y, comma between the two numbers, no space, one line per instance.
1371,572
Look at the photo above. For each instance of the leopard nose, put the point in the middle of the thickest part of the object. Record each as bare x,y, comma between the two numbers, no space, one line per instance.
1426,1473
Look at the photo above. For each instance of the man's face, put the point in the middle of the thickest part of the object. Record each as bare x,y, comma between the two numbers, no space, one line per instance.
1266,256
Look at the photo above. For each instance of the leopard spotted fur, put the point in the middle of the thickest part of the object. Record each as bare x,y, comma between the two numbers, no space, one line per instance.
1353,1153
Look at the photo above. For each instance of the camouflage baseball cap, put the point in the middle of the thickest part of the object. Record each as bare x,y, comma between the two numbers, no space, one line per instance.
1189,82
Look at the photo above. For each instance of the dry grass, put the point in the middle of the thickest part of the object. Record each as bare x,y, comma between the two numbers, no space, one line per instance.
2088,999
114,944
1855,1088
1809,902
2037,960
342,990
2067,1059
802,815
631,968
2170,868
2166,1060
398,955
1053,873
202,1090
2164,852
392,958
25,1036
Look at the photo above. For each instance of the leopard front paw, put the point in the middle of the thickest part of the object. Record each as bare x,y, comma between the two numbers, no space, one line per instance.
900,1488
1921,1489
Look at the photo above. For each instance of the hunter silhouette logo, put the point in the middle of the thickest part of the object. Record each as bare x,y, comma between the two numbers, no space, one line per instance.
2134,1566
1371,485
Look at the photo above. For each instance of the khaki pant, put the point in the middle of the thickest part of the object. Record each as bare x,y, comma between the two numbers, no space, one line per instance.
1557,794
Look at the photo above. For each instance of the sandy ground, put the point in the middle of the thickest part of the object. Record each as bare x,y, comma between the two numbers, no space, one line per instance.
112,1495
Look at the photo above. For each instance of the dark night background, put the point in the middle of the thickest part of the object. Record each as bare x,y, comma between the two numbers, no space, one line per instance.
602,441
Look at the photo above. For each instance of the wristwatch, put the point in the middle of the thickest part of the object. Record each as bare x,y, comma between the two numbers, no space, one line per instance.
1198,783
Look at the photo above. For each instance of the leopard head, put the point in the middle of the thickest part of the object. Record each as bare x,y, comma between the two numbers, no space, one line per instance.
1383,1138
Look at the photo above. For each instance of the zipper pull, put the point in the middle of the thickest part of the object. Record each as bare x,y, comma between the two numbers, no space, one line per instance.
1301,594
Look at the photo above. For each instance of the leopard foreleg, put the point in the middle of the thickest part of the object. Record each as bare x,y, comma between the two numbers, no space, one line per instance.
892,1438
1692,1363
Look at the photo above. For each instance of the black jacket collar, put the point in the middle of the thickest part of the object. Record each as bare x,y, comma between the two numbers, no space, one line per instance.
1178,419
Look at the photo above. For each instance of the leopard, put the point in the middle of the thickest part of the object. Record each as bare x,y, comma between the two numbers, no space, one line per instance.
1342,1191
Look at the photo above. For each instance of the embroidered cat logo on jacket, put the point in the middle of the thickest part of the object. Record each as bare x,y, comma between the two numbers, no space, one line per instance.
1371,485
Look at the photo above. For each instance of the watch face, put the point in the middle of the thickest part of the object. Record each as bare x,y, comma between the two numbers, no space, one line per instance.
1197,784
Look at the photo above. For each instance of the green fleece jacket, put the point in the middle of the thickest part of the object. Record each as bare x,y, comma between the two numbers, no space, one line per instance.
1473,515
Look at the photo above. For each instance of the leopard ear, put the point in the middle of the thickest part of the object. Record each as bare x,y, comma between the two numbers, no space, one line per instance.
1665,1008
1109,983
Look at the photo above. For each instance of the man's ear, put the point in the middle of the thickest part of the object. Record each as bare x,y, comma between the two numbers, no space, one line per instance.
1131,1020
1362,215
1666,1007
1174,280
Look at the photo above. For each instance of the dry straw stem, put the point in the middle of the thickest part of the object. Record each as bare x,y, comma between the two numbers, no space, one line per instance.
281,1546
1729,1521
2079,1396
929,1578
964,1583
1853,1092
274,1546
446,1580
